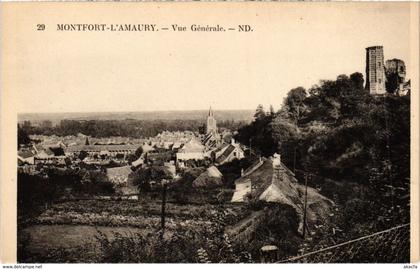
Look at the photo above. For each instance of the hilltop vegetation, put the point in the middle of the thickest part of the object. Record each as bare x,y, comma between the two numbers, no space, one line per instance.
353,146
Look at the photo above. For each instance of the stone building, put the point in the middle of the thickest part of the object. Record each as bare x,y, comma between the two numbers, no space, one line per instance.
395,72
375,70
211,126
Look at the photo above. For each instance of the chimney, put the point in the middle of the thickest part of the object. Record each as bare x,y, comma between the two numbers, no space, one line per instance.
242,172
232,141
276,160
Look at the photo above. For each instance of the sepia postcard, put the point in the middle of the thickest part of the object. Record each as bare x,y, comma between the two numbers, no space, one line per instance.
199,132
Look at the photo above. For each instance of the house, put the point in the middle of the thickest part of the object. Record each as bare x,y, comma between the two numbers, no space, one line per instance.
231,152
177,145
139,161
47,156
192,150
270,180
243,184
167,144
212,177
26,157
189,156
119,175
192,146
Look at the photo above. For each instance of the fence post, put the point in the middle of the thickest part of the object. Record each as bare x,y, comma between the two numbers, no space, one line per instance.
304,206
162,219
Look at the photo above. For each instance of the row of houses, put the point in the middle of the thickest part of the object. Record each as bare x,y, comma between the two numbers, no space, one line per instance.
195,150
268,180
191,150
80,139
56,154
104,150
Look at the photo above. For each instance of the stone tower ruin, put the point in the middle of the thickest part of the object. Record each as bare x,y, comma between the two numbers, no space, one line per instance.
375,70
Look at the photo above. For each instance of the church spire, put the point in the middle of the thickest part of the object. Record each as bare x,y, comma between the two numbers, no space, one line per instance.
211,123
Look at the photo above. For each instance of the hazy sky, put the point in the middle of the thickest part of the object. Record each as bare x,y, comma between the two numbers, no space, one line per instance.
292,45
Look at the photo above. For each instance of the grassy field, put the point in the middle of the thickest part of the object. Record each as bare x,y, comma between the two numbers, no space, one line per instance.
132,213
43,238
74,224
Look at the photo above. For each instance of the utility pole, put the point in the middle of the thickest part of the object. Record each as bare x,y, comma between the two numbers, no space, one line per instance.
304,206
162,219
250,146
389,162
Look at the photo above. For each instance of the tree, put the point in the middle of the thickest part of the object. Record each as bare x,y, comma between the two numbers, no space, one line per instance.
145,175
138,152
272,110
392,82
83,154
259,131
259,113
23,137
202,128
357,80
285,135
294,103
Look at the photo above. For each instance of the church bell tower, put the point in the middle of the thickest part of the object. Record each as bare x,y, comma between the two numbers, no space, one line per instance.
211,126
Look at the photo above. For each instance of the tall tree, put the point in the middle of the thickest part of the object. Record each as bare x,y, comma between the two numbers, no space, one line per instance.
23,137
294,104
272,112
259,113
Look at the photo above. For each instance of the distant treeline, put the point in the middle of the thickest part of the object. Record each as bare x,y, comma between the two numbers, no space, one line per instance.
125,128
221,115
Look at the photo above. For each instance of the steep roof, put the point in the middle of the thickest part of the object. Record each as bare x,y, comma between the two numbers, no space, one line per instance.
276,183
25,154
118,174
192,146
226,153
212,177
207,138
147,148
190,156
214,172
138,162
44,154
260,176
38,148
254,166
